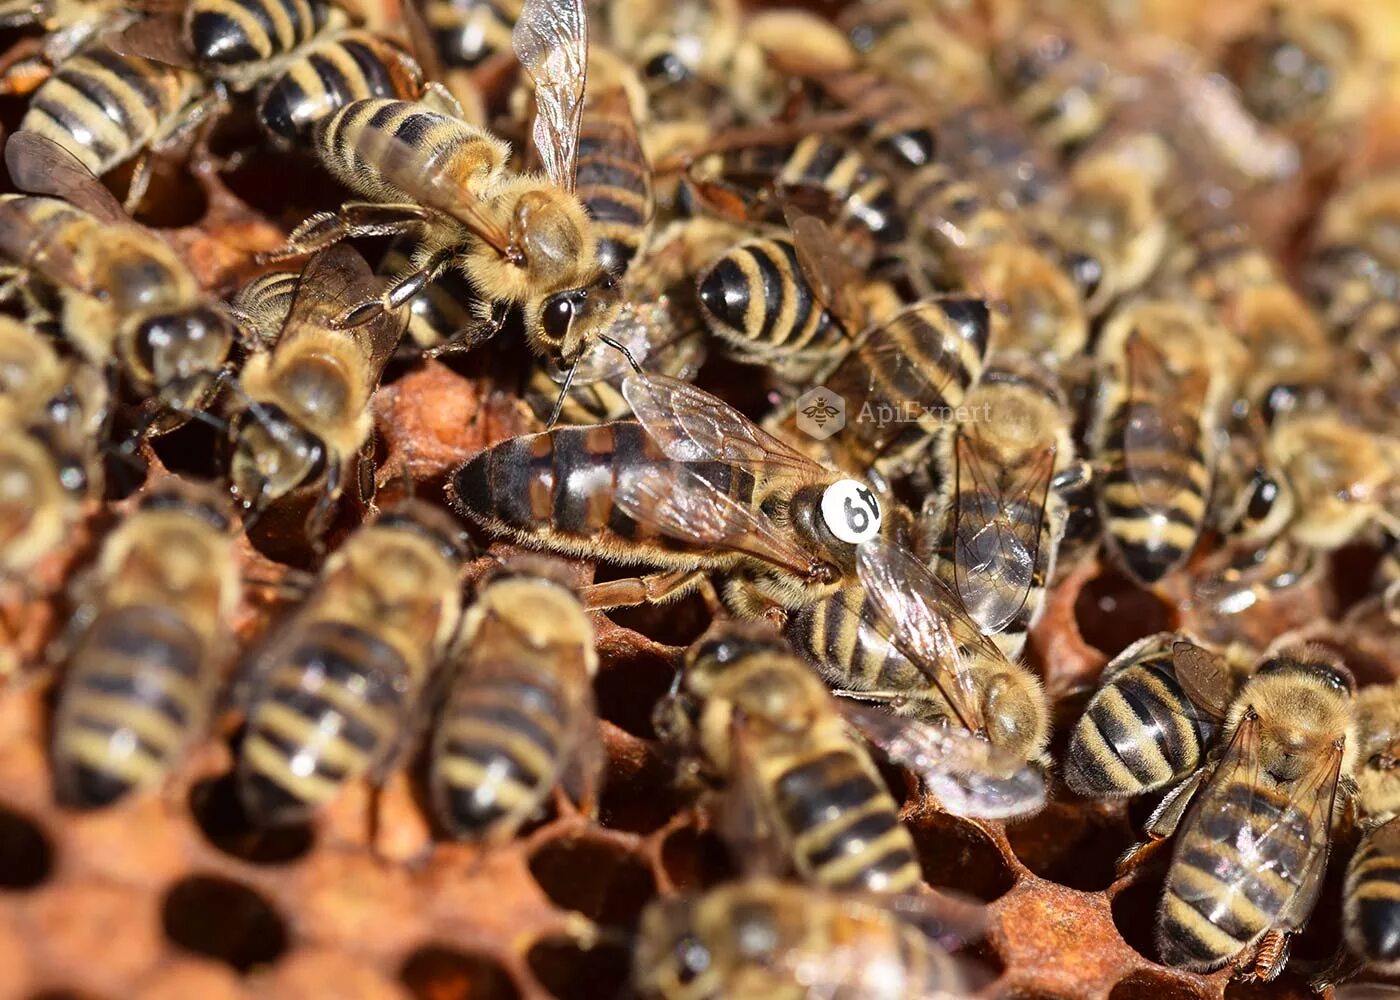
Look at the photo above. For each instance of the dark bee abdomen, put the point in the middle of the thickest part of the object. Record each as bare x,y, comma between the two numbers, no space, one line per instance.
1218,900
497,752
864,194
614,184
1153,538
758,299
356,66
133,697
103,107
468,32
229,33
833,635
1136,735
329,713
1372,896
562,483
843,826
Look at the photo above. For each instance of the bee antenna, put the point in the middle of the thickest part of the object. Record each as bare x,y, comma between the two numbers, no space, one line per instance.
564,391
620,347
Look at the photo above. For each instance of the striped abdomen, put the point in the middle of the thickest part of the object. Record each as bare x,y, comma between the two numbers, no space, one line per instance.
1372,898
1219,899
354,66
227,34
135,694
345,145
840,823
1153,489
104,108
263,304
558,486
1139,733
864,193
756,298
903,376
498,749
468,32
614,180
330,710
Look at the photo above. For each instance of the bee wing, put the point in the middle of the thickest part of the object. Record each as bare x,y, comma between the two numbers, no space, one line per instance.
332,282
37,248
38,165
1271,843
1164,421
1204,677
686,507
831,274
690,425
970,776
551,42
420,40
158,38
925,621
996,535
402,166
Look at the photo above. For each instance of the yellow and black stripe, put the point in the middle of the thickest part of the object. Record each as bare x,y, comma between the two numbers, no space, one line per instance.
466,33
330,711
613,180
228,34
1372,898
104,108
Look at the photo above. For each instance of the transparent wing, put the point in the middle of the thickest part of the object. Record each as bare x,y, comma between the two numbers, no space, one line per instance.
159,39
996,535
420,40
970,776
551,42
1276,838
683,506
1204,677
832,276
333,281
1163,417
926,622
38,165
690,425
404,167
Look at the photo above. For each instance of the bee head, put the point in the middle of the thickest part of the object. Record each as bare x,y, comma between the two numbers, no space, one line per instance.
272,456
181,353
570,320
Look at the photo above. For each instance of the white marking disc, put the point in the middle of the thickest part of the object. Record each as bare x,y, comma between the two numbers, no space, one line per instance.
851,511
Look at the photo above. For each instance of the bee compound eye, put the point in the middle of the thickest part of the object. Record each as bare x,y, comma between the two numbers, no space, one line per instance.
851,511
558,315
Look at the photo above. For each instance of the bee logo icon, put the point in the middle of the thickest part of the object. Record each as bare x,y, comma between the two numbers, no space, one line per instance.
820,413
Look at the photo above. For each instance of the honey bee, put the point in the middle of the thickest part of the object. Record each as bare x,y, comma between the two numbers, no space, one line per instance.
997,525
1371,902
302,413
1158,406
764,938
924,54
1151,722
1253,826
127,299
520,716
928,354
262,305
68,25
332,696
768,729
694,487
1061,91
141,681
469,33
1355,265
106,108
521,240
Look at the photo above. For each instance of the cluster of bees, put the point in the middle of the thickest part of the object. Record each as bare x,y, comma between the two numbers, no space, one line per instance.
1038,228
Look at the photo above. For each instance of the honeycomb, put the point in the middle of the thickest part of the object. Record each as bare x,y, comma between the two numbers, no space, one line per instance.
175,895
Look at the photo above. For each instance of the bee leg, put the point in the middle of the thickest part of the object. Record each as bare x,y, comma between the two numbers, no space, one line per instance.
439,98
1269,958
1162,824
140,182
650,589
400,292
473,336
352,219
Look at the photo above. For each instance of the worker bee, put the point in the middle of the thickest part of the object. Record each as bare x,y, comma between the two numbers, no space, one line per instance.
1253,827
997,525
1062,92
1313,68
1153,719
923,54
694,487
520,716
764,938
106,108
332,695
302,413
142,678
68,25
469,33
1371,903
520,240
127,299
1158,405
1355,264
904,379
